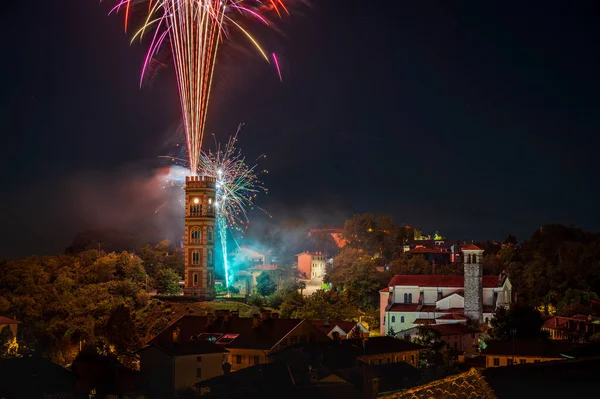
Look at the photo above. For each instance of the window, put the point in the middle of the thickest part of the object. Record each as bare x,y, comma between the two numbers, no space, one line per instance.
405,297
393,319
195,235
195,257
397,359
410,298
238,359
496,361
256,359
412,359
199,358
522,361
210,233
195,279
196,208
404,358
209,209
209,257
401,319
536,361
198,373
510,362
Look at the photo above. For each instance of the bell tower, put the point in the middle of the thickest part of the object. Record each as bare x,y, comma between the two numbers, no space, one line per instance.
199,240
473,258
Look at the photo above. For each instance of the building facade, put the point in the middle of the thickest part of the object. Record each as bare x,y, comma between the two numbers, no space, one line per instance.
200,220
311,265
411,300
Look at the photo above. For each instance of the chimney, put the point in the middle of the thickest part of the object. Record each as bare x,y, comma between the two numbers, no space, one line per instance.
256,321
265,314
275,315
210,319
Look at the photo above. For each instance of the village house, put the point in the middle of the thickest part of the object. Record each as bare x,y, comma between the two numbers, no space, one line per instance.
386,350
508,353
248,341
311,265
171,367
411,300
578,328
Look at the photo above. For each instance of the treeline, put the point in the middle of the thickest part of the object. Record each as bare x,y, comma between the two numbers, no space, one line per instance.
91,298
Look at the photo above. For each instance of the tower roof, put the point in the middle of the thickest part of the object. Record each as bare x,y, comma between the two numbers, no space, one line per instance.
471,247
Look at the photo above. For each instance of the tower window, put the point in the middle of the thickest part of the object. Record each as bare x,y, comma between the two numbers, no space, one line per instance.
195,257
196,235
195,208
210,233
195,279
209,256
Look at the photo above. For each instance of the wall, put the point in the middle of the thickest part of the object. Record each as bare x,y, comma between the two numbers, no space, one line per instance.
383,302
305,264
186,369
504,360
242,358
409,319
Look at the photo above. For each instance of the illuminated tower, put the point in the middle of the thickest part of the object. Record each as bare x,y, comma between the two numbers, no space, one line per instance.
200,237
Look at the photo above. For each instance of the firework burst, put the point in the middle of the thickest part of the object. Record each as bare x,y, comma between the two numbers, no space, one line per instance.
194,29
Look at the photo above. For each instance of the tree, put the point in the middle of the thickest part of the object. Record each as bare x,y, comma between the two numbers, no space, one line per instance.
428,337
375,236
525,321
408,264
265,285
166,281
327,305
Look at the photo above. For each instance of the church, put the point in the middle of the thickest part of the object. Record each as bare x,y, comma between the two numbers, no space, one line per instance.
412,300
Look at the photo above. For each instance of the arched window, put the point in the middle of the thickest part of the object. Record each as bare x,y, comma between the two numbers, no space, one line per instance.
209,257
405,297
195,207
401,319
210,233
195,257
474,258
195,279
196,235
393,319
410,298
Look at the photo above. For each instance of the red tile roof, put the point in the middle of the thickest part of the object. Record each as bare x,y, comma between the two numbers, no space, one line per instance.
326,327
439,281
422,250
424,321
452,317
402,307
471,247
6,320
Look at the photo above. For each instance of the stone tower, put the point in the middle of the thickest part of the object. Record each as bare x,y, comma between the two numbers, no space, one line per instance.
199,240
473,258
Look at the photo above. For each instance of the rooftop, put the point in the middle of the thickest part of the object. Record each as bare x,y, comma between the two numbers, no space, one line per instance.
471,247
544,349
377,345
327,326
439,281
233,331
198,347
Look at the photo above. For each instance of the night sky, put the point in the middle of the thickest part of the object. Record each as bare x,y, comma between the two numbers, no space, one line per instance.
474,118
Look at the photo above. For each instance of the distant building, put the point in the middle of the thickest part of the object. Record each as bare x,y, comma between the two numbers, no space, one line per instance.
508,353
578,328
410,300
385,350
9,323
311,265
252,256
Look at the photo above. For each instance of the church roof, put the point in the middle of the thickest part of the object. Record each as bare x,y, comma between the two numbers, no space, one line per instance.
439,281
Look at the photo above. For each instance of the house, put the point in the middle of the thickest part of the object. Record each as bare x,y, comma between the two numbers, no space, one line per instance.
35,377
250,255
508,353
10,323
173,367
455,336
385,350
341,329
411,300
578,328
311,265
249,341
